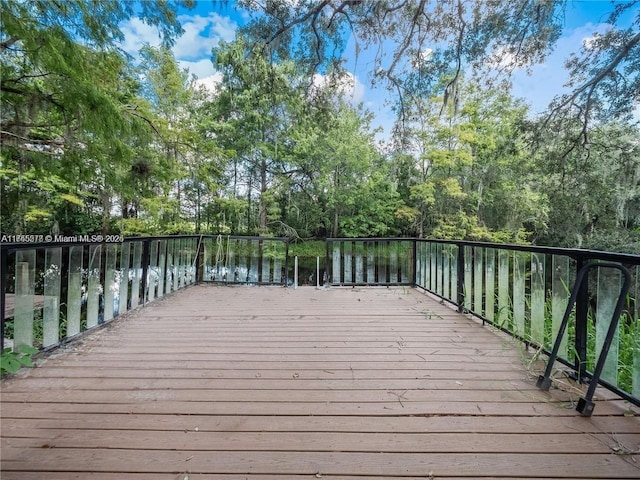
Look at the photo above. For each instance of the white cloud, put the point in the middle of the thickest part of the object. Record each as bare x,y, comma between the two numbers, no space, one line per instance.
201,34
137,34
211,82
200,68
193,48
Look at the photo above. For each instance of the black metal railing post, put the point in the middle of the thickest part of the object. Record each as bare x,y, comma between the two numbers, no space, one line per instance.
582,313
460,296
286,263
3,290
146,243
414,273
326,265
200,260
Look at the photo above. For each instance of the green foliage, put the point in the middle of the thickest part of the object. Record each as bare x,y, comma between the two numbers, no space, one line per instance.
11,361
92,142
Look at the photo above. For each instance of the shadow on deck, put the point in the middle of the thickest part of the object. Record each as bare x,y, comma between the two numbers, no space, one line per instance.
273,383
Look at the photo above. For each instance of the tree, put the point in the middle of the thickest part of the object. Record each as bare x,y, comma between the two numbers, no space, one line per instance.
471,175
255,103
447,35
605,78
594,193
69,103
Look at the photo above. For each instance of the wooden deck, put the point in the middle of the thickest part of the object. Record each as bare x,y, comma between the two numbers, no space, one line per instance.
273,383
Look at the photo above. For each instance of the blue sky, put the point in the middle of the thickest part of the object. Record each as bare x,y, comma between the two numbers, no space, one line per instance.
211,21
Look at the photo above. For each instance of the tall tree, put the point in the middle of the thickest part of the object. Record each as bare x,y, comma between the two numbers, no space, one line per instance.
68,101
255,103
471,168
594,193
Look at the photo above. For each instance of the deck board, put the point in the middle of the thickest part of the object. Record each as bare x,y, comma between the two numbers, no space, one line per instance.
266,383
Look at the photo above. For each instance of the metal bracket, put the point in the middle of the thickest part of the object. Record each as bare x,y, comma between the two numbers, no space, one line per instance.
586,405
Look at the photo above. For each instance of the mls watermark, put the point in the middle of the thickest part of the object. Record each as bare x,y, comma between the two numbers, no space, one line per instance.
61,239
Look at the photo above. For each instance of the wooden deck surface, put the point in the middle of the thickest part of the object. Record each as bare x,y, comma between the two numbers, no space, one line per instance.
273,383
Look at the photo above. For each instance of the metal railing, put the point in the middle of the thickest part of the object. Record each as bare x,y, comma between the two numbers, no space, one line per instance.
524,291
245,260
52,292
370,261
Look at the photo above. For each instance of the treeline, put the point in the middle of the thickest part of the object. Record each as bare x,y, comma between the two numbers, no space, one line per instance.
95,142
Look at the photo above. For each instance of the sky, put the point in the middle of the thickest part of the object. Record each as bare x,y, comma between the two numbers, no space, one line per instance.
212,21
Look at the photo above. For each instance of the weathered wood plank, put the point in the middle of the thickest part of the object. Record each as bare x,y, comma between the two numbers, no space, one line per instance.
147,404
317,463
283,371
361,397
192,440
244,476
308,424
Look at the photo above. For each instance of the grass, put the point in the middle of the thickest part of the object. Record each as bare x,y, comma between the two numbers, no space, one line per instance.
628,338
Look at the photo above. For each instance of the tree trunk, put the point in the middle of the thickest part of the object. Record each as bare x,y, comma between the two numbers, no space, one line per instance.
262,222
106,212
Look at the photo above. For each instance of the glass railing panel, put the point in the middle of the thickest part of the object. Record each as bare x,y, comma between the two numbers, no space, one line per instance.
446,271
335,264
136,276
266,257
169,278
383,262
439,269
468,278
125,261
608,289
279,258
24,299
453,266
419,262
254,253
178,264
359,251
407,262
94,287
560,293
348,263
393,261
152,271
478,274
51,309
490,284
242,270
371,262
521,262
433,265
193,259
162,265
232,246
504,314
110,285
74,290
538,301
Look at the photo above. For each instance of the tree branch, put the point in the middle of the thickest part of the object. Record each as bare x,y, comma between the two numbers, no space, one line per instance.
592,84
311,13
8,43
